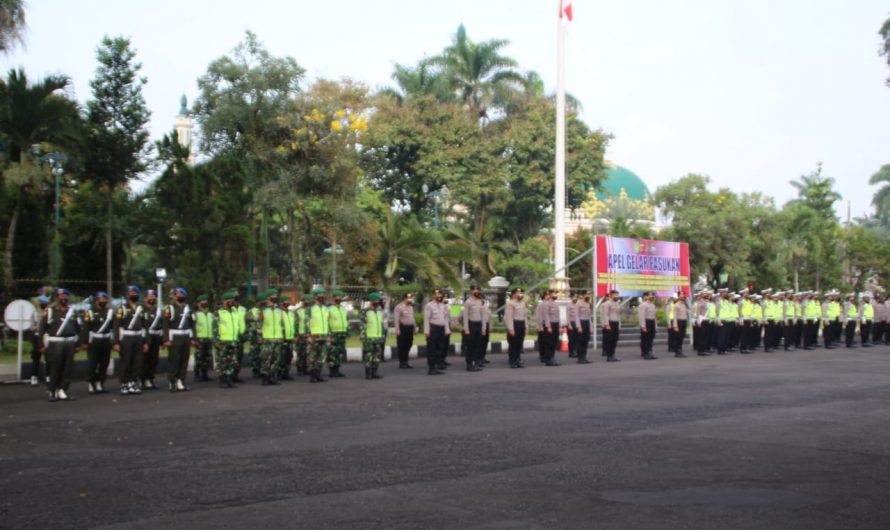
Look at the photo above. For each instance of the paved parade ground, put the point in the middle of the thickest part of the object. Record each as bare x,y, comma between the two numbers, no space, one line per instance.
779,440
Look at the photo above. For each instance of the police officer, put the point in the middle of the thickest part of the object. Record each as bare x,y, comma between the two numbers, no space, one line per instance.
573,325
254,332
680,321
585,312
154,337
37,346
851,319
406,326
203,325
474,325
547,321
701,328
227,339
436,327
756,322
243,332
339,326
179,333
59,325
746,308
879,311
515,320
646,319
129,333
98,321
303,336
372,337
727,316
611,314
867,317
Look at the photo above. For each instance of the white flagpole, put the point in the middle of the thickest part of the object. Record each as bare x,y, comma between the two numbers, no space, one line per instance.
559,259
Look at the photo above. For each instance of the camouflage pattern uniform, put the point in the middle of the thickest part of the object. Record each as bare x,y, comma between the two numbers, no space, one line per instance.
226,335
339,325
372,337
303,337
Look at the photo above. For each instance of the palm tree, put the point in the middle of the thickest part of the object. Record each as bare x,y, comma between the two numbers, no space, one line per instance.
476,70
881,199
477,246
425,79
31,114
817,191
408,244
12,23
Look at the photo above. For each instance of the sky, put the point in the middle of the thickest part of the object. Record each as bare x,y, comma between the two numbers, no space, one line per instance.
752,94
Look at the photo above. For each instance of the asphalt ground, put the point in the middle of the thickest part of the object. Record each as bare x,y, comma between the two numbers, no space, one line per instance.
780,440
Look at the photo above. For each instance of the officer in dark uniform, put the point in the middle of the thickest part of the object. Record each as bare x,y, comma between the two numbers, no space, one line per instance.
98,326
178,333
59,324
129,322
154,336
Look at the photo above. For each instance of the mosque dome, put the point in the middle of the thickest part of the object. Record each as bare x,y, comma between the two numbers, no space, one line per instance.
622,179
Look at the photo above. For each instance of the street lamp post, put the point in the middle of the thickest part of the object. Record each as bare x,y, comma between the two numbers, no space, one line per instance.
56,162
437,196
334,255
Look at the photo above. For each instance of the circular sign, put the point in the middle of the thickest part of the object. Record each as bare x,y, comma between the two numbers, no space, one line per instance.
18,315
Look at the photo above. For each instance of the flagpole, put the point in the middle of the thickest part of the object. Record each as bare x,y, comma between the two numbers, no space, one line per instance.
560,282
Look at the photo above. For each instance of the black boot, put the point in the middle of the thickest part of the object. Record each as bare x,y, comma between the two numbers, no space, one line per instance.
582,359
367,373
224,382
374,374
433,370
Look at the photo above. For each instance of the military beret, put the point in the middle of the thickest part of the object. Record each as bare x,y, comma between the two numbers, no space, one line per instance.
338,292
181,290
201,298
135,288
43,299
102,294
284,299
61,291
318,290
271,292
228,295
374,296
307,297
151,292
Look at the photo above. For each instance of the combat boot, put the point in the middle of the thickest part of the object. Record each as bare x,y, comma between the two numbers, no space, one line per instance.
433,370
582,359
374,374
367,373
224,382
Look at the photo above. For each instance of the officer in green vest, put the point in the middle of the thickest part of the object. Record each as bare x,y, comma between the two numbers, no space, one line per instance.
254,324
272,336
287,347
867,314
812,315
319,335
727,316
372,337
204,337
339,324
713,330
831,321
669,317
746,335
303,335
851,320
227,338
243,332
756,322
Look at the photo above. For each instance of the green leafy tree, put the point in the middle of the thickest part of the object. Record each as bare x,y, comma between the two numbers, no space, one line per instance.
881,198
425,79
816,199
12,23
117,121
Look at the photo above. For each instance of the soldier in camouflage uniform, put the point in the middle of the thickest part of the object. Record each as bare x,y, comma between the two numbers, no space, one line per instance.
317,321
287,347
204,336
243,334
272,336
339,325
253,333
372,337
227,338
303,336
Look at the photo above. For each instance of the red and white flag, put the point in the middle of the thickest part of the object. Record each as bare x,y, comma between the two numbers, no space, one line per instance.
565,9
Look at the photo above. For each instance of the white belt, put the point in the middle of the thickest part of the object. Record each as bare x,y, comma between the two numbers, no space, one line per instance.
155,332
63,339
94,335
181,332
131,333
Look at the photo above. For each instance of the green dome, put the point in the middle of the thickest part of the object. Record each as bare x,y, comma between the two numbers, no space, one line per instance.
621,178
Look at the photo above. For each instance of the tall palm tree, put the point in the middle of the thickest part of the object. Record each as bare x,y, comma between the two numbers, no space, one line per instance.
425,79
32,114
408,244
817,191
477,246
881,199
476,70
12,23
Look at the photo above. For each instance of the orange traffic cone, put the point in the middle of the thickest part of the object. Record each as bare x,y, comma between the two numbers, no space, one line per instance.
563,340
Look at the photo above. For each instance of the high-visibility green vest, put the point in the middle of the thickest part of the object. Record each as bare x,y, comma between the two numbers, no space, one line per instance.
272,324
290,325
670,313
241,311
373,324
798,311
301,321
868,311
772,310
852,311
747,308
833,311
338,321
318,320
811,310
227,327
204,325
756,312
728,310
712,310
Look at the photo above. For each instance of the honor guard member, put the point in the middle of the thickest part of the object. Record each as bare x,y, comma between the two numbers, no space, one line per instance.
59,326
319,335
254,325
98,324
646,319
772,313
436,327
474,321
573,325
271,337
203,337
851,319
339,325
515,320
681,320
789,316
611,315
455,315
37,349
877,329
227,339
179,335
585,312
867,318
129,336
286,354
406,326
303,336
372,337
548,327
154,337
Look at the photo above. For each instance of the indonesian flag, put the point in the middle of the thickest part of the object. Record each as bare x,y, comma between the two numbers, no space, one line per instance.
565,9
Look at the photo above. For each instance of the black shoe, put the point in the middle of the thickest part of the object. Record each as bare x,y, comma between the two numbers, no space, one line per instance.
473,368
433,371
584,360
335,372
704,354
520,364
285,376
514,365
374,374
236,379
52,396
551,362
649,357
367,373
446,363
573,356
612,359
681,355
441,366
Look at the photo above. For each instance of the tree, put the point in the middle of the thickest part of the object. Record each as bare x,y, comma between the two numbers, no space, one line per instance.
31,114
476,71
884,32
117,120
425,79
406,244
816,198
12,23
881,198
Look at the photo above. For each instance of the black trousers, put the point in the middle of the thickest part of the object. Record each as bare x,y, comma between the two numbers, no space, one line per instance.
610,339
516,340
680,336
702,336
130,358
178,357
725,336
553,340
473,338
877,332
150,359
98,357
835,327
59,360
36,354
672,338
435,345
483,348
404,342
583,341
866,332
810,333
850,333
573,334
798,333
788,335
647,338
